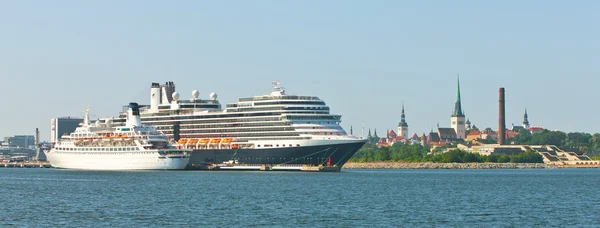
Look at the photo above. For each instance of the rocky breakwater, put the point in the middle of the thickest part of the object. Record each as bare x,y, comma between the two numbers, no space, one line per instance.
431,165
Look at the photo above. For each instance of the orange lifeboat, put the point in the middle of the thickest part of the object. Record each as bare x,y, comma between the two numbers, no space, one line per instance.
204,141
215,141
182,141
192,141
235,146
226,141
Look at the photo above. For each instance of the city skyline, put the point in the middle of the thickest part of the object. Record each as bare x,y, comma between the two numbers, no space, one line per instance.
363,59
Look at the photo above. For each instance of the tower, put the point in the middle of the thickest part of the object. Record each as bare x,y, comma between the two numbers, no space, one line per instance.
525,120
501,117
457,121
468,125
403,126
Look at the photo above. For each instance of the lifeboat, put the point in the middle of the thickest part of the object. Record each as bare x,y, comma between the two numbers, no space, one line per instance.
226,141
192,142
235,146
215,141
204,141
182,141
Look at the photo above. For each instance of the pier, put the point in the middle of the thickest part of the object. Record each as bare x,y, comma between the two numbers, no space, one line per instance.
25,165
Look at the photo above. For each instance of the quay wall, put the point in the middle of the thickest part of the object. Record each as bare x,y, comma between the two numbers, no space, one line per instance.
431,165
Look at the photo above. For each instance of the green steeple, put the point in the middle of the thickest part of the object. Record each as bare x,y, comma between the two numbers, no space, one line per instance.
457,106
402,119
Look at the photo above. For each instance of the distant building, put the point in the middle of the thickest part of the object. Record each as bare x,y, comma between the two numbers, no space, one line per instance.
19,141
403,126
447,134
525,120
551,154
458,127
61,126
468,125
457,120
536,130
474,135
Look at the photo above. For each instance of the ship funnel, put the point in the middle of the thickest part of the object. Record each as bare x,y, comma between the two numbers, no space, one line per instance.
155,95
133,115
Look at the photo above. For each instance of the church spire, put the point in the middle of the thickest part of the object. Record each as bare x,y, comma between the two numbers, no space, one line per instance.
457,106
525,120
403,119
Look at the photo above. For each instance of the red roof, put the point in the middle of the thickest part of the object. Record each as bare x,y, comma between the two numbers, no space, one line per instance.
415,136
536,129
511,134
441,143
399,138
474,133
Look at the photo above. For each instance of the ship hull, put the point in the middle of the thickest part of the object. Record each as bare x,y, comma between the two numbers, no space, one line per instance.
116,161
332,154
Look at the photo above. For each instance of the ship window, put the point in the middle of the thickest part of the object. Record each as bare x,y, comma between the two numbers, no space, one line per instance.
268,145
290,144
297,144
257,145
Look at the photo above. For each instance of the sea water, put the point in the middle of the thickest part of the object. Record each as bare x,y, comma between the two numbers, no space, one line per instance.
351,198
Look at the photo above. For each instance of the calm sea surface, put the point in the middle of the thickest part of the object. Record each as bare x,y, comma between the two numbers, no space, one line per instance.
352,198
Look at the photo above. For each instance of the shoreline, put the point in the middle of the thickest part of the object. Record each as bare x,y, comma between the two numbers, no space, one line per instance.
431,165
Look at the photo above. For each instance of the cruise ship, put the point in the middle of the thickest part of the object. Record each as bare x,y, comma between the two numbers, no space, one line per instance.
130,147
272,129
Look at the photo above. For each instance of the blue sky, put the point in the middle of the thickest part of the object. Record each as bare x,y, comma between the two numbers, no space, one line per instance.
364,58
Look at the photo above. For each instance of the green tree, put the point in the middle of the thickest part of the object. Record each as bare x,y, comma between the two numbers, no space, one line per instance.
549,138
522,138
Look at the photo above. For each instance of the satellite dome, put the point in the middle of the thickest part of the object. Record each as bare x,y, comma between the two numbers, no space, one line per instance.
213,96
195,94
175,96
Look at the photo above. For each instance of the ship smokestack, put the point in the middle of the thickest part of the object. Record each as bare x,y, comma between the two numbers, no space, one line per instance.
133,115
501,118
155,97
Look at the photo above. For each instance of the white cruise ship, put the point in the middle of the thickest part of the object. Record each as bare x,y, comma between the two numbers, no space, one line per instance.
130,147
271,129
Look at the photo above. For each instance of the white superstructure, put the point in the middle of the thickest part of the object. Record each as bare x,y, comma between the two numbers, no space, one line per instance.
260,122
130,147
